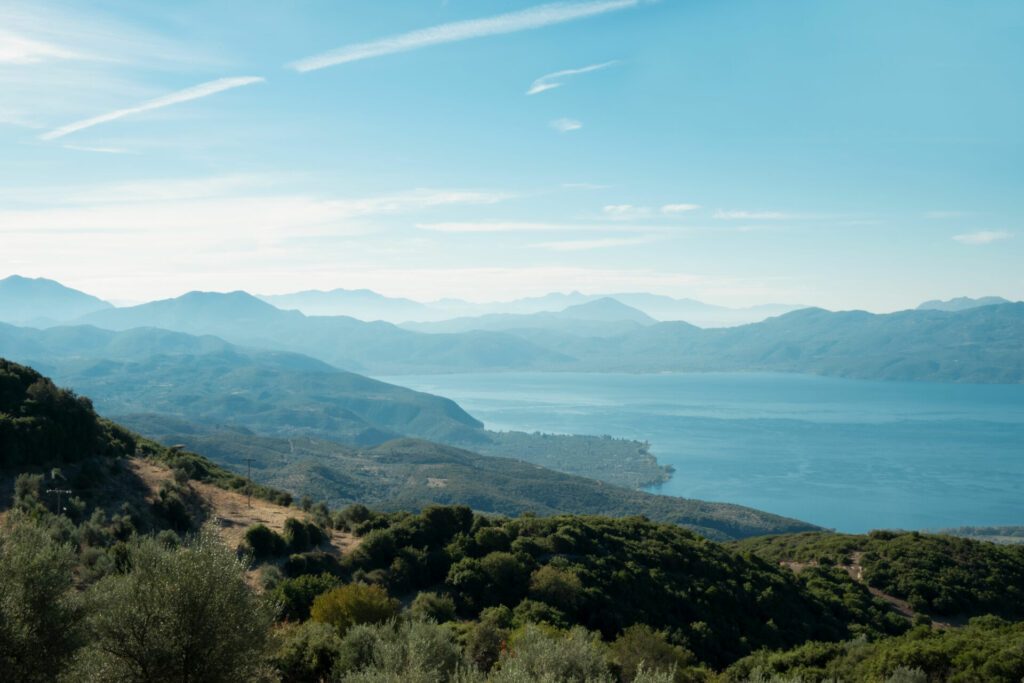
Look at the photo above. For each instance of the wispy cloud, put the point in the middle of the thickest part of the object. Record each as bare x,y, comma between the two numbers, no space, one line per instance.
620,212
752,215
588,245
670,209
18,49
565,125
585,186
99,150
982,237
194,93
490,227
554,80
512,22
625,211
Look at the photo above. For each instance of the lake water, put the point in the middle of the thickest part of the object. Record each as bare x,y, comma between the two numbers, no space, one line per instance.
846,454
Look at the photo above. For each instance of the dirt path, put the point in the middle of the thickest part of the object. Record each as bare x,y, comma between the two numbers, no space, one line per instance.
855,569
233,513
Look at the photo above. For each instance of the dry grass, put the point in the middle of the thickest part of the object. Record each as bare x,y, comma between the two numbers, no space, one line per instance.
232,513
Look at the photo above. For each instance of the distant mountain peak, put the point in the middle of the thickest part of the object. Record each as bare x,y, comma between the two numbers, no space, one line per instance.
961,303
607,308
43,301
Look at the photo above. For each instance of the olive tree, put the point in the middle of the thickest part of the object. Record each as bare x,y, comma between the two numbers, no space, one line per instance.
177,615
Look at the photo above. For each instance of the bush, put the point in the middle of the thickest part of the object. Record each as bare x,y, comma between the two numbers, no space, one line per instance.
352,604
433,607
185,615
308,652
642,645
542,654
264,542
295,596
411,651
39,614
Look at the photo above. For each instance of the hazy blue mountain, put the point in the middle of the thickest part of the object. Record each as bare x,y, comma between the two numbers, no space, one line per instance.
961,303
598,318
340,340
42,302
982,344
356,303
978,345
207,379
699,313
368,305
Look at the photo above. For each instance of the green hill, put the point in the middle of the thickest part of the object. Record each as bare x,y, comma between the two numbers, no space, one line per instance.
447,594
407,474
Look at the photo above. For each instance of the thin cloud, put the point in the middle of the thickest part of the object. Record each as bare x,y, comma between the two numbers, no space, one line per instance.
752,215
512,22
619,212
678,208
194,93
588,245
565,125
554,80
489,227
17,49
100,150
982,237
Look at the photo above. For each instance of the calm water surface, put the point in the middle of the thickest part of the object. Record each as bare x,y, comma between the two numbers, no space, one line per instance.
847,454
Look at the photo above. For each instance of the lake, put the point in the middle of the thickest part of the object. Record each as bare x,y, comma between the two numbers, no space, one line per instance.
851,455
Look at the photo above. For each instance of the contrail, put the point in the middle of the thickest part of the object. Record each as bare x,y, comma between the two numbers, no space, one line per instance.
523,20
193,93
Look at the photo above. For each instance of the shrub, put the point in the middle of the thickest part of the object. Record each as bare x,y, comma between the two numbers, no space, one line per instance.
264,542
433,607
308,652
185,615
408,651
642,645
352,604
540,654
39,615
295,596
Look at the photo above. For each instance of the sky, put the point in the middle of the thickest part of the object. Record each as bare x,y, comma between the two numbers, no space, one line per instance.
843,153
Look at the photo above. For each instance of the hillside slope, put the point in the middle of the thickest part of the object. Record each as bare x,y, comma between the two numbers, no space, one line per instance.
407,474
209,381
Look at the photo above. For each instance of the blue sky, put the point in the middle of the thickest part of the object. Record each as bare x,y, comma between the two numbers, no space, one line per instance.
854,154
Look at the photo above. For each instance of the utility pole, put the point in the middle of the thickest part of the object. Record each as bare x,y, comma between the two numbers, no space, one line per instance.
59,492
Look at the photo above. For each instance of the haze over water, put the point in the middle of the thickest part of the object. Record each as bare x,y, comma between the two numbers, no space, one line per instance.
846,454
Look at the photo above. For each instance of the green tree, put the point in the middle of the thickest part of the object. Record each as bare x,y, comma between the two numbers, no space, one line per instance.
433,607
177,615
642,646
354,603
39,614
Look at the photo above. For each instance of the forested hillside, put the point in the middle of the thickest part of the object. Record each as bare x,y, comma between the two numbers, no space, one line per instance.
207,381
122,583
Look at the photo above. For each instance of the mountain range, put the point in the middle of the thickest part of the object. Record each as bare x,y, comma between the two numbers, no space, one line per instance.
979,344
367,305
961,303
